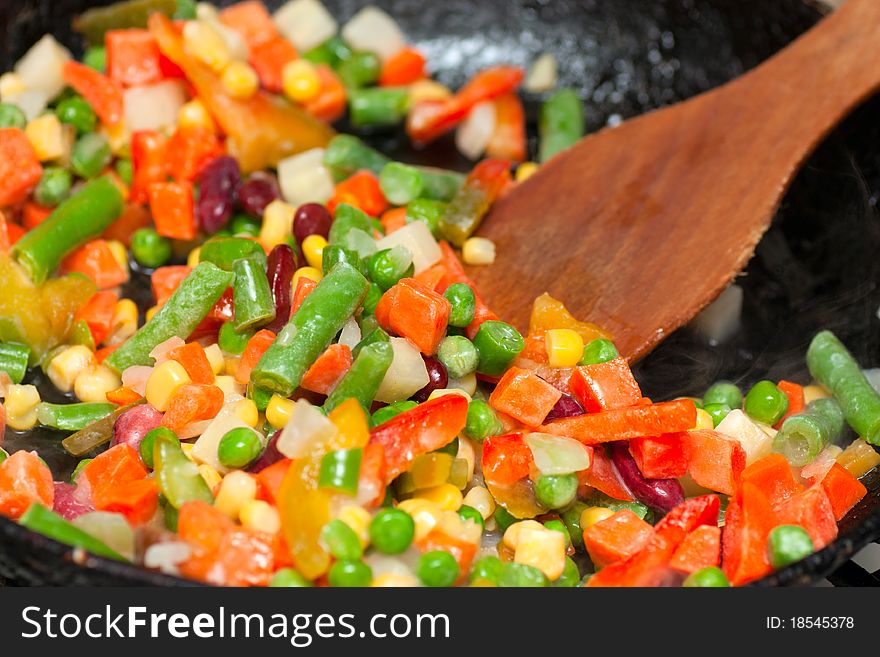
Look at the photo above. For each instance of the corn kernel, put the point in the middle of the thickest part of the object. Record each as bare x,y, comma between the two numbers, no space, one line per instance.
10,86
237,489
204,43
511,536
151,312
228,385
210,475
93,384
119,252
525,171
453,525
187,449
478,251
240,80
277,223
425,515
215,358
163,382
394,580
358,519
194,114
480,499
565,347
491,525
46,135
814,392
246,411
593,514
445,496
279,410
704,420
313,250
68,365
260,516
441,392
308,272
21,406
192,259
300,81
426,89
542,548
124,321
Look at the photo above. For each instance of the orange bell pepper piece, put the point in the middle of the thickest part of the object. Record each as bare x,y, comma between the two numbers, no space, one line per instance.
165,280
97,313
101,92
795,394
171,204
251,20
403,67
362,191
433,276
304,287
253,352
20,170
506,459
372,476
190,149
660,457
773,477
812,510
192,402
509,139
603,476
96,261
194,360
149,157
416,312
700,549
616,538
525,396
269,58
328,369
843,490
123,396
34,214
24,480
715,461
747,524
605,386
271,477
132,57
549,313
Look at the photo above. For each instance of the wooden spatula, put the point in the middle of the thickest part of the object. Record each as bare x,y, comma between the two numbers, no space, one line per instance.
639,227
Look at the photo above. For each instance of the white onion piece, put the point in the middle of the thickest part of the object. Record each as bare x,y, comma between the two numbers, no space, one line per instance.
31,101
350,334
235,44
305,23
756,442
557,455
135,377
372,30
407,374
205,448
40,68
306,427
303,178
542,75
816,469
166,556
474,134
160,351
153,106
416,237
720,320
401,565
360,242
112,529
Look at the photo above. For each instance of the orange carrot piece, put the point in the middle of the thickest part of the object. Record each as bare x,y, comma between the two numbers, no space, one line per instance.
660,457
256,347
137,500
326,372
20,170
715,461
269,58
304,287
395,219
195,361
362,191
404,67
773,477
96,261
456,274
795,394
165,280
133,57
133,217
700,549
97,313
251,20
433,276
524,396
605,386
330,103
24,480
844,491
102,93
192,402
190,149
416,312
616,538
747,524
109,470
149,157
171,204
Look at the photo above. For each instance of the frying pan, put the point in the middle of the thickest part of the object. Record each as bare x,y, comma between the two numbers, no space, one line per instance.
815,268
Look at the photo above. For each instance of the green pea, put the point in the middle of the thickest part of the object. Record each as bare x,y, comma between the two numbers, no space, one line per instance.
572,519
146,446
238,447
124,169
149,248
388,266
54,186
392,531
503,518
520,575
766,403
438,568
570,576
382,415
288,577
429,211
559,526
231,341
708,577
487,569
788,544
481,421
717,412
458,355
349,574
598,351
243,224
341,541
12,117
723,392
90,155
359,70
466,512
498,344
96,57
461,298
77,112
556,491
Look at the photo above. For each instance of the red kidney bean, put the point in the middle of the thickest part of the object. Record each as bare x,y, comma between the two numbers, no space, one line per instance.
258,191
218,185
662,495
311,219
437,379
133,425
269,456
280,266
72,501
567,406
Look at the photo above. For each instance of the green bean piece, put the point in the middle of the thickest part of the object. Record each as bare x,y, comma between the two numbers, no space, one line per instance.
231,341
77,112
427,210
95,57
94,23
440,184
346,155
14,360
359,70
833,366
244,224
378,106
312,327
96,434
72,417
252,298
148,444
224,251
401,183
364,377
499,344
82,217
347,218
803,436
598,351
179,478
378,334
340,470
333,51
520,575
458,355
180,315
571,516
90,155
560,124
260,396
48,523
333,254
11,116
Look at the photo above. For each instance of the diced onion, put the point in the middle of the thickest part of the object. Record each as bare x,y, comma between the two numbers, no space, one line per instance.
819,466
416,237
557,455
756,442
305,23
40,68
153,106
542,74
205,448
474,134
303,178
360,242
167,556
307,425
350,334
160,351
407,374
135,377
31,101
112,529
720,321
372,30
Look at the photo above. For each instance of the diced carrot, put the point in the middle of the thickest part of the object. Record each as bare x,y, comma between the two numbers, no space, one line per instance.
270,478
20,170
700,549
660,457
456,274
647,567
269,58
304,287
843,490
415,312
34,214
123,396
605,386
747,524
506,459
603,476
190,149
463,551
795,394
773,476
165,280
96,261
256,347
715,461
394,219
132,57
403,67
149,150
194,360
133,217
327,371
137,500
192,402
109,475
171,204
97,313
251,20
362,191
329,105
536,352
102,353
616,538
812,510
524,396
509,139
24,480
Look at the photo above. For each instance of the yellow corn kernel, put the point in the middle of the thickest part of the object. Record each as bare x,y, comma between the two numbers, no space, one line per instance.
453,525
300,81
542,548
46,135
427,90
478,251
68,365
313,250
481,499
124,322
210,475
240,80
704,421
246,411
394,580
93,384
119,252
593,514
187,449
440,392
151,312
215,358
237,489
279,410
163,382
194,114
308,272
192,259
425,515
565,347
511,535
228,385
358,519
277,222
21,406
260,516
206,44
814,392
10,86
525,171
445,496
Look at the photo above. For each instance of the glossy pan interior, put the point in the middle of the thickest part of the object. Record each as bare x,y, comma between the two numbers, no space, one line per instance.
817,267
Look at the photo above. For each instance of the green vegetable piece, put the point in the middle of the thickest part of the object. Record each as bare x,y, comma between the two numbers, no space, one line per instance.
77,112
556,491
458,355
503,518
803,436
224,251
96,434
333,254
708,577
378,334
243,224
95,57
81,334
598,351
179,478
464,303
72,417
347,218
401,183
239,447
378,106
149,248
359,70
437,568
388,266
382,415
90,155
252,297
427,210
560,123
559,526
3,455
571,516
470,513
364,377
12,117
392,531
54,186
333,51
598,498
788,544
124,169
340,470
346,155
766,403
341,541
349,574
570,576
231,341
723,392
440,184
95,22
498,344
289,578
481,421
48,523
148,443
14,360
186,10
487,569
520,575
717,412
79,468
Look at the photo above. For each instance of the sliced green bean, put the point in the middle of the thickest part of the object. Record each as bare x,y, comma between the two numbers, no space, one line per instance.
561,123
254,304
224,251
803,436
364,377
48,523
96,434
14,360
72,417
346,155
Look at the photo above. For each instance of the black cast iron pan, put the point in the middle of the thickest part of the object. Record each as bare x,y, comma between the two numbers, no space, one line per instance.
815,268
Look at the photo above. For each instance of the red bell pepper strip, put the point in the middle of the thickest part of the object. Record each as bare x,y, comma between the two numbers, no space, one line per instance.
420,430
455,274
97,313
603,476
411,310
149,150
484,184
660,457
303,287
616,538
647,567
506,459
700,549
20,169
715,461
747,524
102,93
605,386
524,396
773,477
843,490
24,480
132,57
123,396
795,394
96,261
403,67
171,204
326,372
509,139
